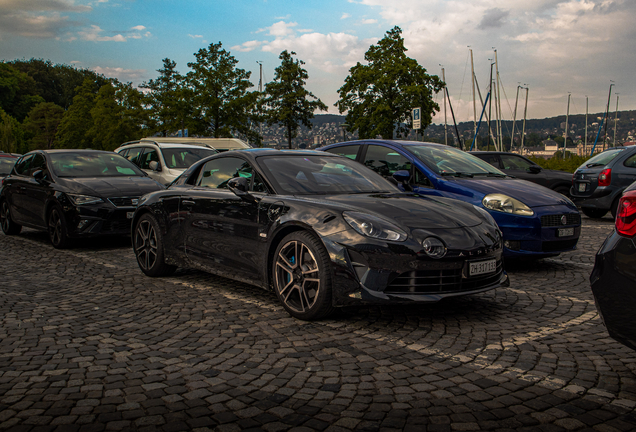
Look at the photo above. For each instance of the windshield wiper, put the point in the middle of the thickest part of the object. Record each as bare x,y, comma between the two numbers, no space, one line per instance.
457,174
594,164
492,174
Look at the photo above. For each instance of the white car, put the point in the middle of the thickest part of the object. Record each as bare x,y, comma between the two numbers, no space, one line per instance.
163,162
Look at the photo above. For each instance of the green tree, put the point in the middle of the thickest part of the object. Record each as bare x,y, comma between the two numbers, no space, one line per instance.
18,92
11,134
221,101
77,121
379,96
288,102
41,124
169,100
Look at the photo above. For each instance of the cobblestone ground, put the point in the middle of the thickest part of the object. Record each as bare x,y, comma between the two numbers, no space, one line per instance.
88,343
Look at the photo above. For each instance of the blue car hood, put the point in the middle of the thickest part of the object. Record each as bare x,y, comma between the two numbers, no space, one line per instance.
530,194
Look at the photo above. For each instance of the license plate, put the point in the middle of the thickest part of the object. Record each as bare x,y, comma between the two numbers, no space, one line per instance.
582,187
129,215
482,267
565,232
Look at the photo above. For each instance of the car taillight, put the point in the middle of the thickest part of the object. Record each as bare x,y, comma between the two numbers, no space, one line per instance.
626,215
605,177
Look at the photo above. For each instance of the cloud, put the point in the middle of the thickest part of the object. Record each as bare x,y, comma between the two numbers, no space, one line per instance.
138,28
195,36
247,46
124,75
279,29
38,18
369,21
43,6
345,16
94,35
493,18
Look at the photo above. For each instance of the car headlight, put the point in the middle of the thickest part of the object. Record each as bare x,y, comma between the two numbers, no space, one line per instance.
84,199
434,247
505,204
374,227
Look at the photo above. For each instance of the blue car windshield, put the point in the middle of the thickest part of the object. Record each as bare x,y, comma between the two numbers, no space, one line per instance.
451,161
92,165
322,175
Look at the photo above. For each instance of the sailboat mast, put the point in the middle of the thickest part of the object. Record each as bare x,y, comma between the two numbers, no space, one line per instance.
498,107
490,135
609,96
514,119
472,74
586,112
567,116
615,119
525,112
445,121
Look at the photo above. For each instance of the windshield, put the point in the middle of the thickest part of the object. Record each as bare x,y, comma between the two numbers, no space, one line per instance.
182,158
6,164
92,165
601,159
451,161
322,175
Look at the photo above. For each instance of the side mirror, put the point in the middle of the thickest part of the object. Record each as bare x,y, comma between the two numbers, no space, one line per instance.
240,186
154,165
403,177
39,176
534,169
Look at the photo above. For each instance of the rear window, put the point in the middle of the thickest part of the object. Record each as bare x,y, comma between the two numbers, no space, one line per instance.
182,158
601,159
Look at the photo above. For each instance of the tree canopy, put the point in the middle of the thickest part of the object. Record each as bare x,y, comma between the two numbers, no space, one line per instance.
378,96
288,103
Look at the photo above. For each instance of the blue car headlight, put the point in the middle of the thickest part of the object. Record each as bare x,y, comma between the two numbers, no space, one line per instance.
505,204
374,227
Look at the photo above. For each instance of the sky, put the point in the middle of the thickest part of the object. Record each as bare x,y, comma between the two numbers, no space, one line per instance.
551,47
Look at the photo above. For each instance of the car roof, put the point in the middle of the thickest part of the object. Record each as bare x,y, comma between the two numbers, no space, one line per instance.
162,145
7,155
400,143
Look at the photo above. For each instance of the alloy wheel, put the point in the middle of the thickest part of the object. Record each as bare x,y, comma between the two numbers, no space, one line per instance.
55,227
146,245
4,217
297,276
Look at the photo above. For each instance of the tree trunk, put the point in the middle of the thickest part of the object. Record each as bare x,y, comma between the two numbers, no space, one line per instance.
289,136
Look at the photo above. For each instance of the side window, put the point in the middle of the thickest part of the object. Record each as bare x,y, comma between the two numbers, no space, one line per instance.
515,162
150,154
38,163
630,161
258,185
350,151
421,179
134,154
385,161
217,172
123,152
23,165
491,159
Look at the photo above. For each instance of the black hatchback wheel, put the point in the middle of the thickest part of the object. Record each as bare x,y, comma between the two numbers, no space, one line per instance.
148,244
302,276
57,229
8,226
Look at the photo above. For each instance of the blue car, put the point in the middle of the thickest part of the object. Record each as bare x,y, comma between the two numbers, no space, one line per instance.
535,221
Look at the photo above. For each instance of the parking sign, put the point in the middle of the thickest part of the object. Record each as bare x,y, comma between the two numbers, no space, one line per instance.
417,122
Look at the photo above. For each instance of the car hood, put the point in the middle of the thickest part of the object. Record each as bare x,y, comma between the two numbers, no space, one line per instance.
111,186
531,194
406,209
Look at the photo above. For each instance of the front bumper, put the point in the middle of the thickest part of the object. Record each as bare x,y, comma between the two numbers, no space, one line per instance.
614,287
368,271
538,235
97,219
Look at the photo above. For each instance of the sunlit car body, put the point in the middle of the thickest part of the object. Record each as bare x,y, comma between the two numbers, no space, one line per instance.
613,278
535,221
319,230
72,193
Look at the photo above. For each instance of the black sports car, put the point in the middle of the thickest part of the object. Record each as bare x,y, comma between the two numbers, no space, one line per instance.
614,276
320,230
72,193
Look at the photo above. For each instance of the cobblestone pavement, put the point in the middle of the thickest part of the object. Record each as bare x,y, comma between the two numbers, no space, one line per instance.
88,343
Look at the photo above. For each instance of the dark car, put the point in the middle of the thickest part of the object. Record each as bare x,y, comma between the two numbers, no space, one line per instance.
523,168
597,185
535,221
613,278
320,230
72,193
6,164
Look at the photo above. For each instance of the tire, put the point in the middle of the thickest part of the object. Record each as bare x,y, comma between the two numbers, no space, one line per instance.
58,233
148,246
302,276
8,226
614,208
593,213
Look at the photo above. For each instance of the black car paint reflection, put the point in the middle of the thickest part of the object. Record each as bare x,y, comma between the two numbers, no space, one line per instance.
235,233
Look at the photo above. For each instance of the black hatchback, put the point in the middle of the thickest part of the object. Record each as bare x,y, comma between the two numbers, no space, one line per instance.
598,184
72,193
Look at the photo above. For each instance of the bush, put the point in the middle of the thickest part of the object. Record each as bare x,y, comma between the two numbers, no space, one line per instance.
570,163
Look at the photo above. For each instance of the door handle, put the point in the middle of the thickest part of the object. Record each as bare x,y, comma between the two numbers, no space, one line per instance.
188,202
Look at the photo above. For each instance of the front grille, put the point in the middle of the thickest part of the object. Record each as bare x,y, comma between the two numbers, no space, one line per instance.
116,222
555,220
558,245
124,201
441,281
